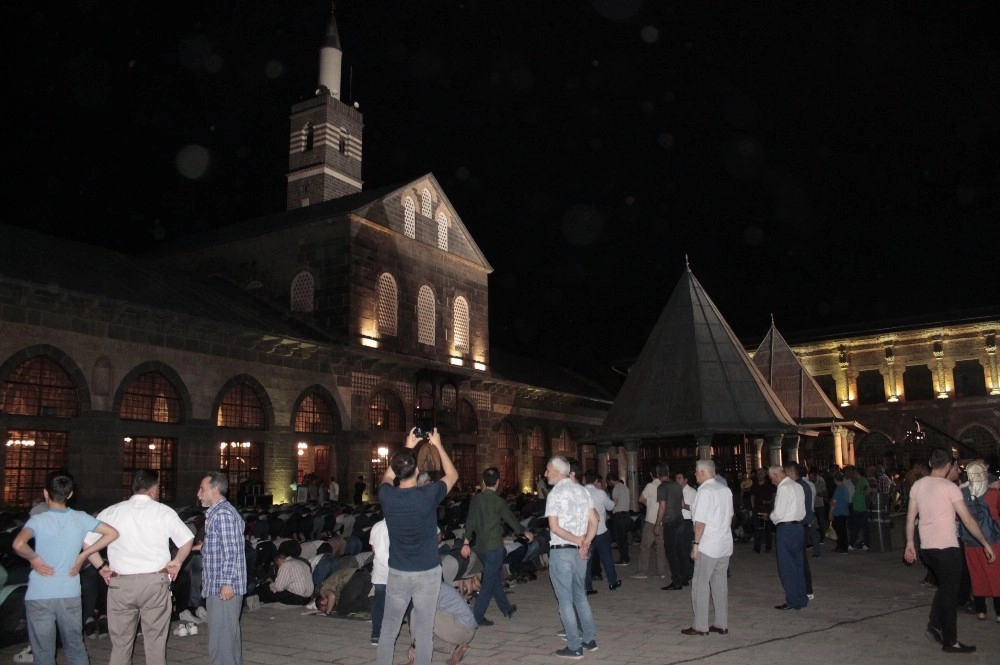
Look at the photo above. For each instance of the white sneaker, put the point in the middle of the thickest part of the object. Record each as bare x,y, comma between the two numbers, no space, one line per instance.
24,655
811,596
201,613
192,629
187,617
181,631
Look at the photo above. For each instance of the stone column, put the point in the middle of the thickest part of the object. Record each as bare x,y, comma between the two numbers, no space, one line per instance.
850,447
790,448
704,442
603,449
774,449
632,471
991,363
838,445
759,454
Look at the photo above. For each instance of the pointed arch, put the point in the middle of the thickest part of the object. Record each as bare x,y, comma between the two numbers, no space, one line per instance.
426,316
442,231
409,218
302,291
461,323
426,204
388,303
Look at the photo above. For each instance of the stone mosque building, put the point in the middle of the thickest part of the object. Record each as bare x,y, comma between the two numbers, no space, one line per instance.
307,342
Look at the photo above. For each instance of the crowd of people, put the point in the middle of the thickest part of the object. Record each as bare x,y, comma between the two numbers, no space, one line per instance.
436,561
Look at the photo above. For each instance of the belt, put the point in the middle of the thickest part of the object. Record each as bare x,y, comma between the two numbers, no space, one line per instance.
559,547
159,572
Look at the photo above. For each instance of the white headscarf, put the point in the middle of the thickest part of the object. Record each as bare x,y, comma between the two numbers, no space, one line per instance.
978,480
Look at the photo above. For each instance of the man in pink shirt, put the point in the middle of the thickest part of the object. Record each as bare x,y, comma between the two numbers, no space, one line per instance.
937,500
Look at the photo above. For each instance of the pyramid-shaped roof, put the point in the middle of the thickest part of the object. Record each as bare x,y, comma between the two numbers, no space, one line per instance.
796,388
693,377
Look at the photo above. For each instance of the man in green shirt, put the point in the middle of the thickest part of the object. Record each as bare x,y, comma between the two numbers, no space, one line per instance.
859,511
488,512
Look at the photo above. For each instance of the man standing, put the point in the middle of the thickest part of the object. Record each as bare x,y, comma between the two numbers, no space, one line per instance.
859,511
787,515
414,564
796,473
573,525
139,568
334,490
761,502
224,578
686,534
621,520
602,540
650,540
712,514
670,498
937,500
488,512
819,511
359,490
52,603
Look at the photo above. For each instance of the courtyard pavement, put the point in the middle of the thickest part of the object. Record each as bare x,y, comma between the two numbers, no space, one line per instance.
869,608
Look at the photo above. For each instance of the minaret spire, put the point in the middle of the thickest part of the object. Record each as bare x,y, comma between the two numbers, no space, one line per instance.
331,57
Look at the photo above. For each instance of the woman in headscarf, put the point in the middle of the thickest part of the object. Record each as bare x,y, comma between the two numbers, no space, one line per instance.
985,577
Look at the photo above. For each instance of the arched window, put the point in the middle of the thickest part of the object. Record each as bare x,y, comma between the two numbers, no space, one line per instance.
871,387
387,304
385,412
314,416
507,437
468,421
308,137
303,286
409,218
461,324
241,408
38,387
442,223
425,202
918,383
151,398
536,444
970,379
425,315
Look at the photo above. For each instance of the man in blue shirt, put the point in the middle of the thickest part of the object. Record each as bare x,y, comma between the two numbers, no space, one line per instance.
52,602
414,563
224,574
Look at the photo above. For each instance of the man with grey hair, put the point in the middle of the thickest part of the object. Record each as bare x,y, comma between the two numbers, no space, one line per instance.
712,514
224,574
573,525
787,515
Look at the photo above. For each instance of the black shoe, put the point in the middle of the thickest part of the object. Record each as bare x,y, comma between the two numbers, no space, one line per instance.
686,583
933,634
672,587
597,577
786,606
591,592
510,615
958,647
614,586
484,622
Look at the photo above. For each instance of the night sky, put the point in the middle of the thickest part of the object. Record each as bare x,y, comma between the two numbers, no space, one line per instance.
835,165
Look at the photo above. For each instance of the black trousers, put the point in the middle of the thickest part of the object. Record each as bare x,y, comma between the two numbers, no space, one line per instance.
947,567
621,531
671,534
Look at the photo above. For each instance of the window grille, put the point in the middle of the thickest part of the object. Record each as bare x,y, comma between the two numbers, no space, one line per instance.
425,316
507,437
315,416
425,203
303,286
448,396
308,137
387,304
151,398
30,456
442,223
461,324
409,218
240,461
468,421
241,408
149,452
385,412
40,387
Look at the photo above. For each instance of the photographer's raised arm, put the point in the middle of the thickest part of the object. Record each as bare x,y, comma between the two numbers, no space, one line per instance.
450,472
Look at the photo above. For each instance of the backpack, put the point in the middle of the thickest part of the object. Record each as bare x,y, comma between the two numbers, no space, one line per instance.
981,513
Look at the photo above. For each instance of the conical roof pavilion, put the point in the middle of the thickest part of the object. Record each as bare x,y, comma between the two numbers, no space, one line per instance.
693,377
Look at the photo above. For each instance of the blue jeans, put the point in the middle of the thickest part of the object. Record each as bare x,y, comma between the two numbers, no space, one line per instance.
492,588
326,566
566,572
45,619
601,547
790,546
422,587
378,610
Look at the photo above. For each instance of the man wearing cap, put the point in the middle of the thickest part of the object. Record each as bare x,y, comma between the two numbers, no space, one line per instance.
139,568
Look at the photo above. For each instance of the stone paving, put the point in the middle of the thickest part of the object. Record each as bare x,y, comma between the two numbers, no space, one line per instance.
869,608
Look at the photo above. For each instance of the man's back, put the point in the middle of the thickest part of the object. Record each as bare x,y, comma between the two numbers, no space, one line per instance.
411,516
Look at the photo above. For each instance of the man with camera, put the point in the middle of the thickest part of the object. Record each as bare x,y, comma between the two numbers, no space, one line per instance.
414,564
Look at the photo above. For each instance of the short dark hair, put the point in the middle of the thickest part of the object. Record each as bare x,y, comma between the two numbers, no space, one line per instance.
404,464
612,477
491,476
144,480
574,466
590,476
940,458
59,484
662,469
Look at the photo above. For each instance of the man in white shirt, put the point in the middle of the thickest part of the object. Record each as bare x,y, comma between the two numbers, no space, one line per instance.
712,514
686,534
601,546
788,513
139,569
621,518
650,541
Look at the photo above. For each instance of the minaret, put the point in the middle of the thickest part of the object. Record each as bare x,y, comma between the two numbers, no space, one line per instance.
324,147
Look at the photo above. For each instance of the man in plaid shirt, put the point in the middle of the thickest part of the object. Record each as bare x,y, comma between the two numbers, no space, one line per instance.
224,578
